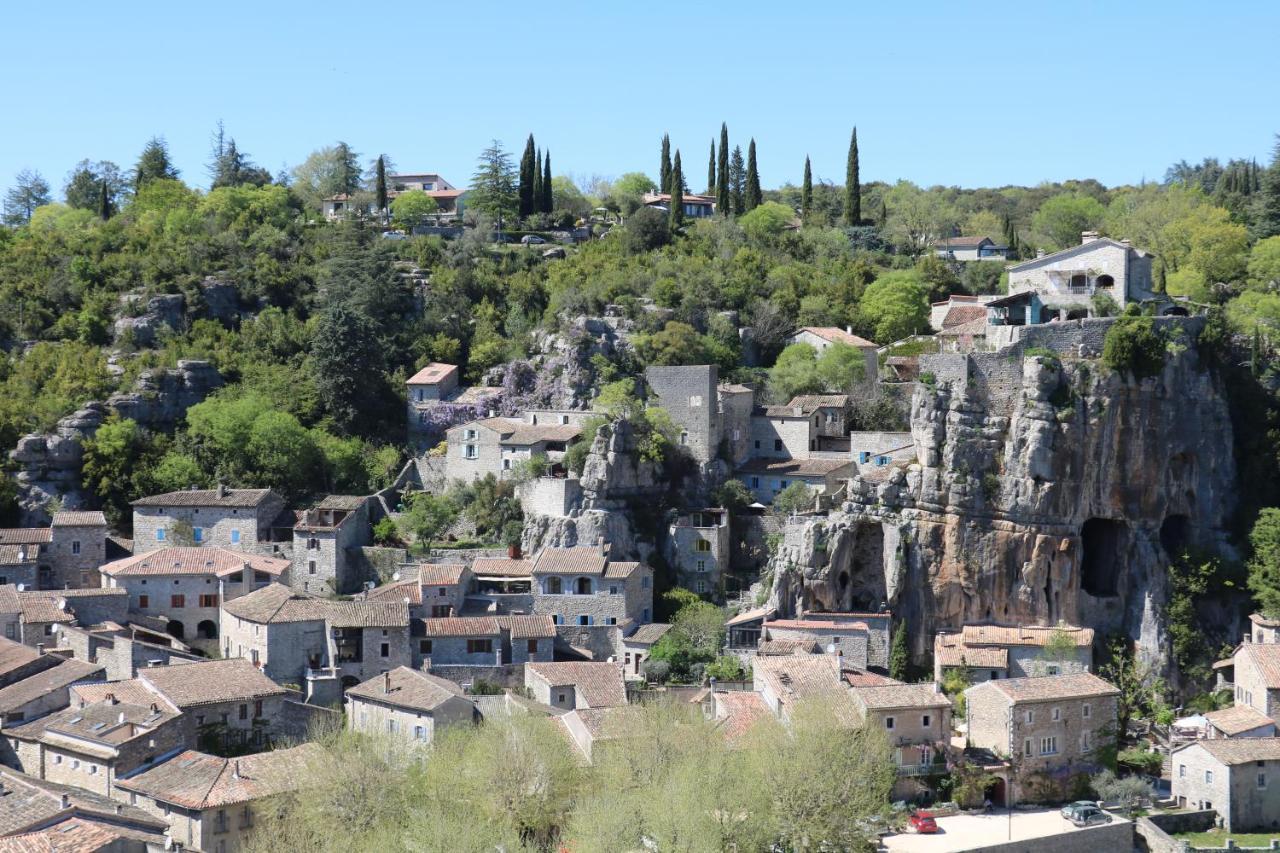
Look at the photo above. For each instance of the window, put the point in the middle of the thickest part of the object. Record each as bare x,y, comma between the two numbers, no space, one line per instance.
755,482
392,726
75,764
199,719
864,456
197,534
75,546
442,592
384,650
506,464
311,567
684,438
177,602
1052,669
613,589
313,544
1048,746
584,620
471,434
57,759
244,711
644,615
209,600
1026,747
701,585
1086,741
702,565
235,537
611,620
757,444
470,451
93,770
424,647
553,586
532,647
882,460
644,582
440,611
560,697
144,602
1208,777
479,647
1182,771
557,619
777,444
1029,716
159,534
420,732
888,723
257,708
1262,781
1085,710
1057,714
926,721
702,546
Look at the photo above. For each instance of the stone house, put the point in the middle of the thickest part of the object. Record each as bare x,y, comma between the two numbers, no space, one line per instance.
849,641
916,718
93,745
439,590
121,650
786,680
326,542
877,449
783,432
45,692
689,395
767,478
737,402
186,586
502,585
830,416
1238,721
1237,778
409,703
498,445
213,803
1257,678
991,652
823,337
1264,629
432,384
698,548
1052,725
637,645
238,519
967,249
576,685
295,638
41,618
66,554
582,586
10,613
45,615
483,641
19,661
37,815
695,206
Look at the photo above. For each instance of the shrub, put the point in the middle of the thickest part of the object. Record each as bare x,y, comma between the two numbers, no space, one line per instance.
725,668
796,497
385,531
1134,345
657,671
1140,760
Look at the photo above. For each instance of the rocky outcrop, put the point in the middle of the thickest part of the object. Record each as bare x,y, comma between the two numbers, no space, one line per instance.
1044,489
142,321
48,466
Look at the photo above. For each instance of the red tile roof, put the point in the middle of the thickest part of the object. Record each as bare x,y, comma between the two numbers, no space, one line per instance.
579,560
25,535
502,567
193,561
441,574
209,682
836,335
1075,685
597,684
194,780
961,314
1234,720
83,518
230,498
529,627
432,373
1266,658
462,626
409,688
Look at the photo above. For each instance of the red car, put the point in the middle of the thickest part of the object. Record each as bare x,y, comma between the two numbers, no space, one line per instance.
923,823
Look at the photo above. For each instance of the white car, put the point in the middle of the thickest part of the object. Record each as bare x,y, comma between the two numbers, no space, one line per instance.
532,240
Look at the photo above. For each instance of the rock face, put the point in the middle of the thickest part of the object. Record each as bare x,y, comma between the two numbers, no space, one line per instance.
1043,490
165,310
48,466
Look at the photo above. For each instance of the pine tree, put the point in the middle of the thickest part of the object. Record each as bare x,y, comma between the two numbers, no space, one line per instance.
853,185
537,180
664,169
348,168
528,176
751,195
1266,221
380,186
806,190
724,202
548,199
104,201
676,204
711,170
899,654
154,163
737,179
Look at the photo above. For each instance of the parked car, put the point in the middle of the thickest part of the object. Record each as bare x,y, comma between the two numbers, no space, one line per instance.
1070,809
1090,817
923,823
532,240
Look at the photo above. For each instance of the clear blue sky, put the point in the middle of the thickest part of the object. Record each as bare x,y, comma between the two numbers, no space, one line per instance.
968,94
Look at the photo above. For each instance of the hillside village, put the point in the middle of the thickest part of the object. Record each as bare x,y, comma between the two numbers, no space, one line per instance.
536,518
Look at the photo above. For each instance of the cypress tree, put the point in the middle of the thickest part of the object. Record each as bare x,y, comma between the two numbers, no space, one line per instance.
711,170
548,202
852,185
527,177
664,169
899,654
104,201
806,190
737,179
380,186
676,205
752,196
537,180
724,202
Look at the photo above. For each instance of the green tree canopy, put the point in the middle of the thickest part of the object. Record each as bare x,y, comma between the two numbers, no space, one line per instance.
411,208
896,305
1062,218
1264,565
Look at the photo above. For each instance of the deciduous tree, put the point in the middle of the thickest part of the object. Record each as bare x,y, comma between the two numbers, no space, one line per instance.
29,191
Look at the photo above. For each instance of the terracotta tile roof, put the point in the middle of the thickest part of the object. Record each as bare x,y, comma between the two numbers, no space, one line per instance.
502,567
194,780
1264,621
620,569
193,561
528,627
208,682
43,683
364,614
789,646
230,498
266,605
737,711
43,608
462,626
525,434
82,518
865,678
1243,750
1266,658
75,835
9,601
958,315
887,697
579,560
132,692
750,616
976,327
795,677
1230,721
963,242
811,402
597,684
99,729
648,634
733,388
409,590
25,536
29,802
1075,685
815,625
795,467
441,574
836,335
1023,635
982,657
349,503
410,688
15,655
433,373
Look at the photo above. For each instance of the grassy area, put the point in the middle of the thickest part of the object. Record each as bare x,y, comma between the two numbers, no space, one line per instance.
1218,838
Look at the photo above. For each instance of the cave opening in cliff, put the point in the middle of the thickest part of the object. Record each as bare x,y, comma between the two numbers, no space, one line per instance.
1175,535
1101,541
863,588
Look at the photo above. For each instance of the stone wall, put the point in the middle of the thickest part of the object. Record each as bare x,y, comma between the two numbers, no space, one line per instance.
689,395
1155,830
1117,836
551,496
507,676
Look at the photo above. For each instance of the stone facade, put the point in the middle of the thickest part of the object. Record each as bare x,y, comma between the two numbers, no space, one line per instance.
214,524
1072,276
780,432
556,497
1253,686
326,543
689,395
609,601
698,546
1244,791
78,547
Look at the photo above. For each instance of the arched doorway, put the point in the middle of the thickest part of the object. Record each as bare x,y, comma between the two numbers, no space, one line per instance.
996,792
207,630
175,629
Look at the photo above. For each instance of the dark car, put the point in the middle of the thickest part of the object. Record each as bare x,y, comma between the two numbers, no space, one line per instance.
1070,809
923,823
1090,817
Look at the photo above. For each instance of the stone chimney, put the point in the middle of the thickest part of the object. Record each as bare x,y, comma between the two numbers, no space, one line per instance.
110,698
66,801
603,546
1088,237
235,769
513,551
120,719
386,682
222,490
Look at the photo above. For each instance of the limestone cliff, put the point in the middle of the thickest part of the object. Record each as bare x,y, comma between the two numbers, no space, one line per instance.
1043,489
